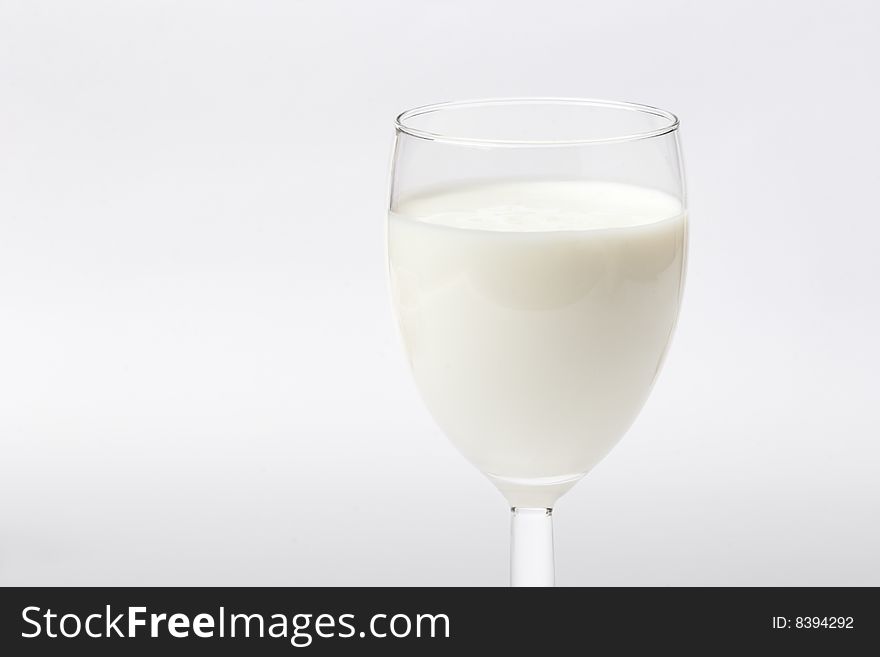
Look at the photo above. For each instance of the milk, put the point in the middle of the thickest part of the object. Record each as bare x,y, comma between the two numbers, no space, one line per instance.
535,317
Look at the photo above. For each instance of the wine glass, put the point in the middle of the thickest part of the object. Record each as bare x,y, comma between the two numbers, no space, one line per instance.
537,253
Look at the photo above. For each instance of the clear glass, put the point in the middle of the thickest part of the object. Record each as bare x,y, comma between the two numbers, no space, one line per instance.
537,251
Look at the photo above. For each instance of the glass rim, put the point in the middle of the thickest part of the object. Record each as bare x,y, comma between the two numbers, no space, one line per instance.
671,121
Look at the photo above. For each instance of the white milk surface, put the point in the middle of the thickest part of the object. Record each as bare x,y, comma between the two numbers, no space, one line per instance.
535,316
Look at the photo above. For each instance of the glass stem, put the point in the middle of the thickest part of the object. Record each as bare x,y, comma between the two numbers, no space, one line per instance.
531,547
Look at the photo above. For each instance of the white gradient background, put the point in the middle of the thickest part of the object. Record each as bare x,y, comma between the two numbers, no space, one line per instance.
200,378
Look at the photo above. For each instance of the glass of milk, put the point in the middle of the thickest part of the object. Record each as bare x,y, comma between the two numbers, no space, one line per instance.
537,253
